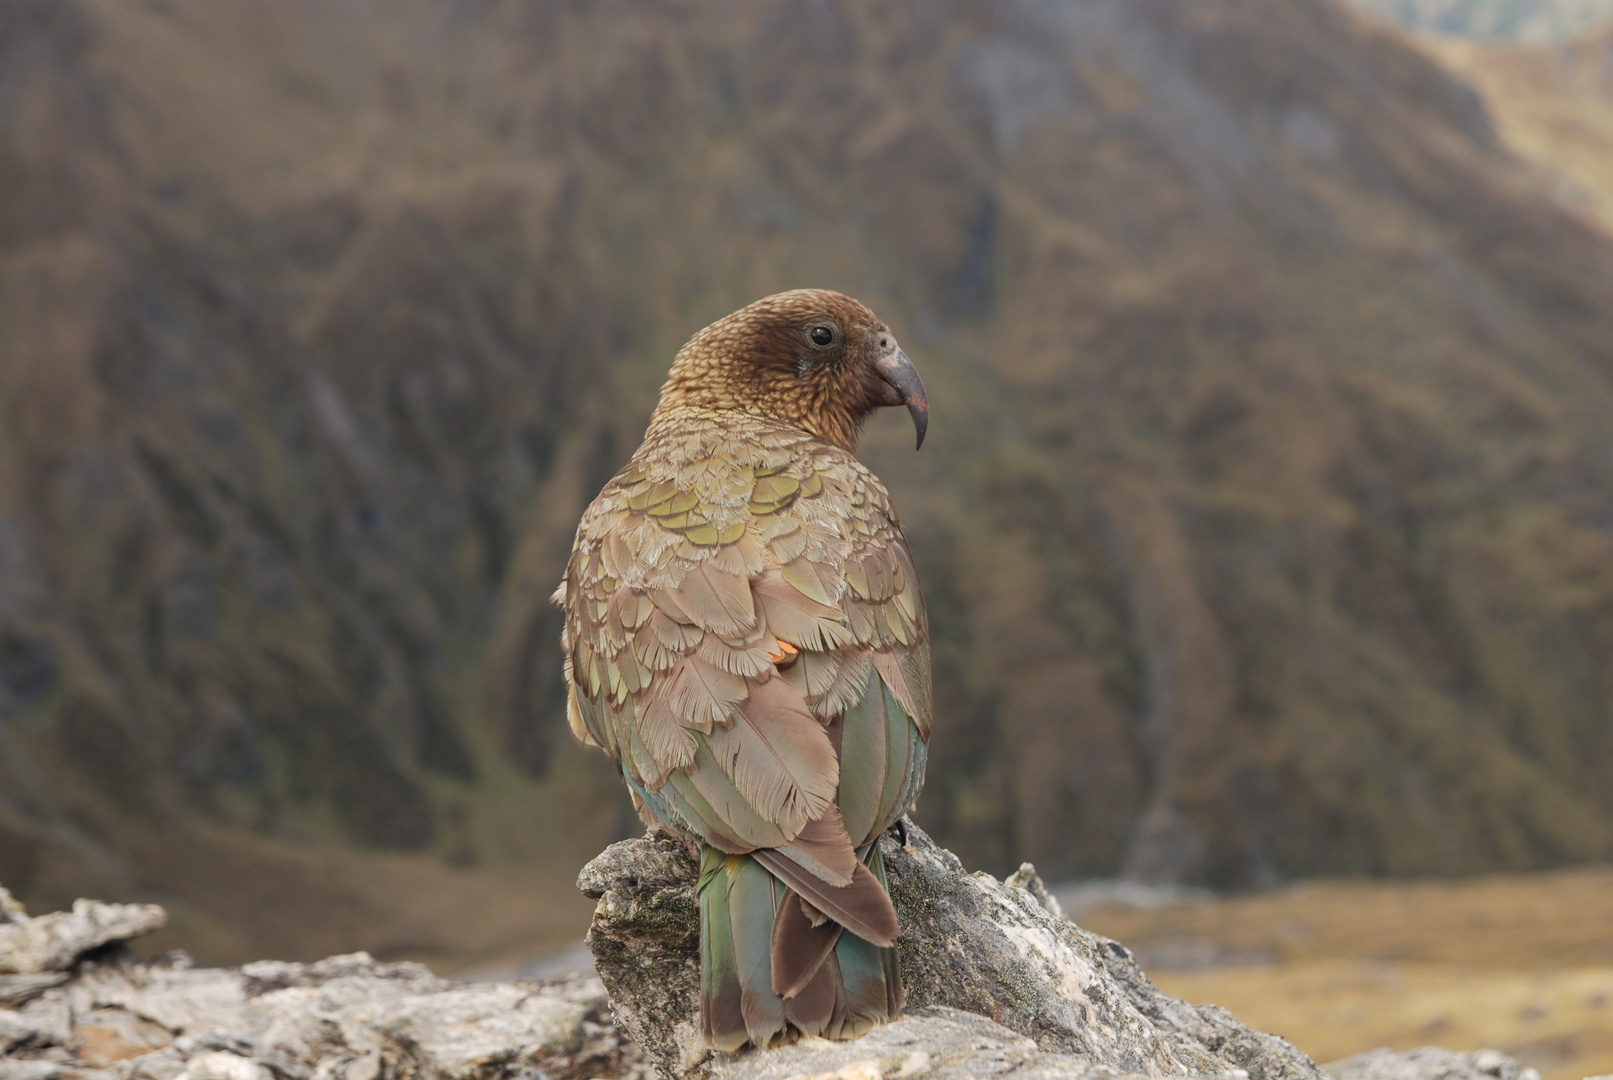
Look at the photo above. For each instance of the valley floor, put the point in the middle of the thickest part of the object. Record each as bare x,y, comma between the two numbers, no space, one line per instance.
1522,963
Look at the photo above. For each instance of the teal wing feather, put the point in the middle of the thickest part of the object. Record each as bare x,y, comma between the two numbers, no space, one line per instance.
882,759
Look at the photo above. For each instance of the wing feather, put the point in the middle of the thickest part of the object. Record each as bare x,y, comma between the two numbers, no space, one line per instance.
779,756
716,600
700,694
714,808
798,618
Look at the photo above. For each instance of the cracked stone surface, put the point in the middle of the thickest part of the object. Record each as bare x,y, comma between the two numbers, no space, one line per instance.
1432,1063
343,1018
53,942
970,944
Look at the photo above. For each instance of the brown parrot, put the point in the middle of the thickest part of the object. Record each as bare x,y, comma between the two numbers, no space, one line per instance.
745,637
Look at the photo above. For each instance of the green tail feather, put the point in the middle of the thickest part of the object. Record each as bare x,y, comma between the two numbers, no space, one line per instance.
721,1021
858,987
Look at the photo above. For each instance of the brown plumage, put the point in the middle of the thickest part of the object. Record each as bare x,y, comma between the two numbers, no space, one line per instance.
746,638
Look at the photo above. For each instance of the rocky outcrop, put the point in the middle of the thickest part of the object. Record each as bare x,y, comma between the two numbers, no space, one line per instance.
970,945
998,984
94,1014
51,943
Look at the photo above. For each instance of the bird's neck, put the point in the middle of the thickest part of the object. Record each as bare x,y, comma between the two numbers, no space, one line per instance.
675,414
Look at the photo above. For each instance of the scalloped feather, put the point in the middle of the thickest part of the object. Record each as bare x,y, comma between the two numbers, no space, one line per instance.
796,617
779,756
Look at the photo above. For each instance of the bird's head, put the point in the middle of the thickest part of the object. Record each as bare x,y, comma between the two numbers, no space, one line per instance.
811,358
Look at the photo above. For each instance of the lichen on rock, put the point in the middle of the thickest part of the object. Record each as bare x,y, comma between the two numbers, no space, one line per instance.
970,945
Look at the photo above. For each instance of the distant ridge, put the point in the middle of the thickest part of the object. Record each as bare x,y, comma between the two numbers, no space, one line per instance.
1533,21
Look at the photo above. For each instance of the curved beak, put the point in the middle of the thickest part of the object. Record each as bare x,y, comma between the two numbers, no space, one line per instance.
896,369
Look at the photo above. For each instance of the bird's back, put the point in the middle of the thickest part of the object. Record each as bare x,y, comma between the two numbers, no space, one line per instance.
745,637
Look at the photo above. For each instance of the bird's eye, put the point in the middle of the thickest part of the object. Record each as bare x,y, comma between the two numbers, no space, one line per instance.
822,336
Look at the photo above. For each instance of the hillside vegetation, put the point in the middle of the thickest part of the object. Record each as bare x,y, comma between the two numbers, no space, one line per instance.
1553,106
1266,517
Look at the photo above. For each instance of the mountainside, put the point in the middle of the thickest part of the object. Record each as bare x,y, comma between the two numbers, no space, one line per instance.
1266,517
1553,105
1513,20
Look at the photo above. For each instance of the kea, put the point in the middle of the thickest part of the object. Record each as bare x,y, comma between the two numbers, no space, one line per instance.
745,638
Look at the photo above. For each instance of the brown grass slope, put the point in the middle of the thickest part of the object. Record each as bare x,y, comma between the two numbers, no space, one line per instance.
1266,519
1552,106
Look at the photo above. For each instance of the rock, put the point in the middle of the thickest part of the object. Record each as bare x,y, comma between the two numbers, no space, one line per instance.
55,942
1432,1063
223,1065
936,1042
645,937
29,1070
13,1030
10,908
16,989
997,983
969,943
343,1018
1028,879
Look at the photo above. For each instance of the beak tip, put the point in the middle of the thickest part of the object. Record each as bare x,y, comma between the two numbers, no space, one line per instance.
920,412
897,370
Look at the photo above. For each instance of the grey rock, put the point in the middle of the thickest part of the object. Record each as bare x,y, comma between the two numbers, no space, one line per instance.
223,1065
1028,879
343,1018
1262,1056
54,942
10,909
16,989
1431,1063
997,983
14,1029
29,1070
645,937
969,943
937,1043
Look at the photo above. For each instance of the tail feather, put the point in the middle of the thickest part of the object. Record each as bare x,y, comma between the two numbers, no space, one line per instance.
812,1011
863,997
861,907
722,1022
757,939
896,997
799,948
752,899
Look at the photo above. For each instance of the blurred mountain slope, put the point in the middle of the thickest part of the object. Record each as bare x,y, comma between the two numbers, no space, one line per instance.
1553,106
1266,522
